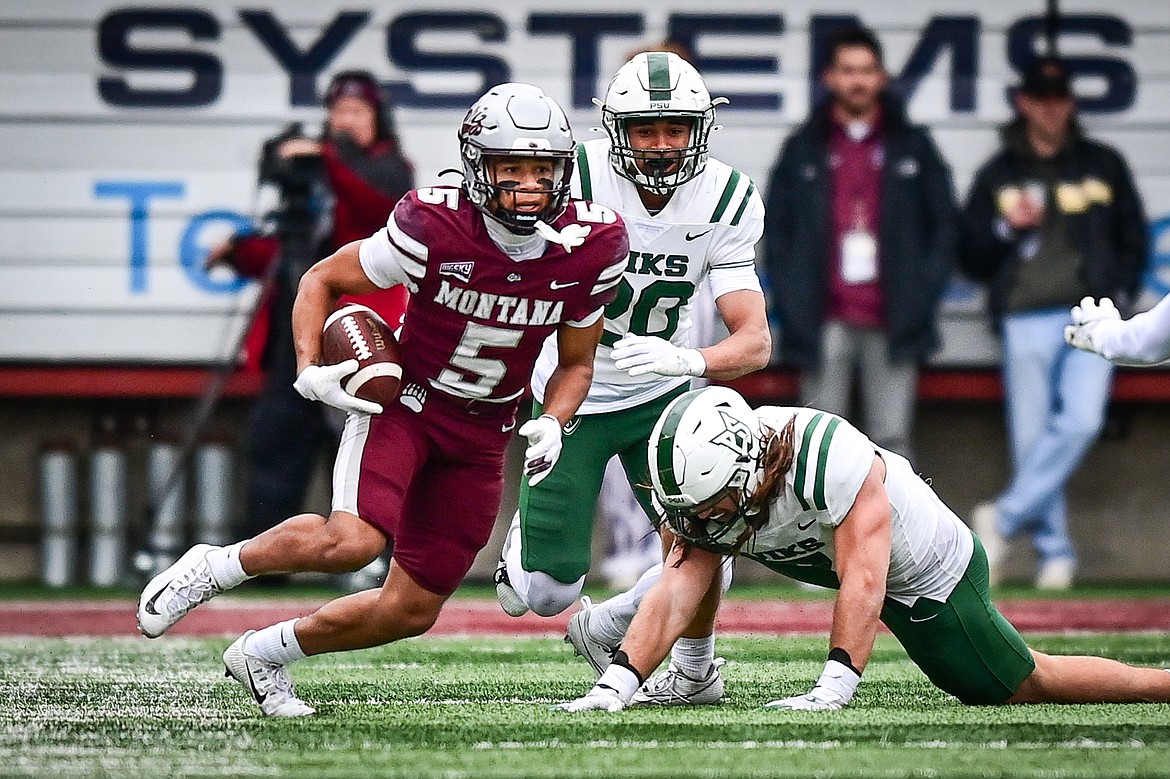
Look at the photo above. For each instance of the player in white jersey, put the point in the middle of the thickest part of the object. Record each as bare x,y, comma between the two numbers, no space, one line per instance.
805,493
692,220
1141,340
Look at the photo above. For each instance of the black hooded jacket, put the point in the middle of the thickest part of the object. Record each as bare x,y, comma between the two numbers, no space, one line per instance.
916,235
1109,229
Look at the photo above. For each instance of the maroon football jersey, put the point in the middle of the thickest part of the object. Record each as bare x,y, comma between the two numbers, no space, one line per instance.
477,318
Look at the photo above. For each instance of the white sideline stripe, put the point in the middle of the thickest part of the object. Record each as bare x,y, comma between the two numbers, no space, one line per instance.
376,370
352,308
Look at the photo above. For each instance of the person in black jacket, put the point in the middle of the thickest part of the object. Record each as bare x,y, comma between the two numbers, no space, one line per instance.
1051,218
860,228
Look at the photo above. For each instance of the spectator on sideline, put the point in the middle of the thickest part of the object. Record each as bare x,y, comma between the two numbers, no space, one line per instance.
498,266
1051,218
333,189
861,521
859,235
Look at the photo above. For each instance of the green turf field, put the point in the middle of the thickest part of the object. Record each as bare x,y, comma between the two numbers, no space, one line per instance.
442,707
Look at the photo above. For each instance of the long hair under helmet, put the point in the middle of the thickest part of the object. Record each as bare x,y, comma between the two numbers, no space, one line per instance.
705,446
516,120
658,85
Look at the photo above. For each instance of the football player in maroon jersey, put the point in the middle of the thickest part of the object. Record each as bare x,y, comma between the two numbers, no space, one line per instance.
494,267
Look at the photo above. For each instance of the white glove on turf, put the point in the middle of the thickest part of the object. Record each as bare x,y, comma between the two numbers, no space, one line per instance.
597,699
642,354
544,447
323,383
612,692
833,691
1089,319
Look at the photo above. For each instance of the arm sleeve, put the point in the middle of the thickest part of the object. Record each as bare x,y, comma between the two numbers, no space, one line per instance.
733,254
391,255
1142,340
832,461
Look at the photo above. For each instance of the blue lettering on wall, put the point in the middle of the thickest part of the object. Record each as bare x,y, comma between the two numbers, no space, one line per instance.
1157,275
1120,80
139,193
303,66
206,72
687,29
402,46
585,31
192,253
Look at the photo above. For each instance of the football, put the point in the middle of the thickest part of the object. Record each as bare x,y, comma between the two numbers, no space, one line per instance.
356,332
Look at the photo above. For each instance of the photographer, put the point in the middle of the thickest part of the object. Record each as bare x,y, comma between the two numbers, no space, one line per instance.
333,189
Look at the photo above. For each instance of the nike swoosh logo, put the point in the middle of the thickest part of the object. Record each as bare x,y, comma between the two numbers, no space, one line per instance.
260,698
149,607
806,525
571,427
282,641
924,619
562,285
690,237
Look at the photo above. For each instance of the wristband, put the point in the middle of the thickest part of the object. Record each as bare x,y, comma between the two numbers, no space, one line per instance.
623,680
842,657
838,679
696,363
622,659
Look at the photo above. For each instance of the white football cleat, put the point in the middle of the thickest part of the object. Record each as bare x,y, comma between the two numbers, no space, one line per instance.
510,600
674,688
269,683
595,650
176,591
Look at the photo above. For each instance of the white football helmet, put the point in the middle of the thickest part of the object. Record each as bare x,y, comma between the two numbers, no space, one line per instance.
706,446
658,85
516,120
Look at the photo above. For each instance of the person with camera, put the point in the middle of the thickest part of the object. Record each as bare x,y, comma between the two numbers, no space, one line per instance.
333,189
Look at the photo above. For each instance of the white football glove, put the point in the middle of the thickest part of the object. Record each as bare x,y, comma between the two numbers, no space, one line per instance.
597,699
544,447
1089,319
833,691
612,692
323,383
642,354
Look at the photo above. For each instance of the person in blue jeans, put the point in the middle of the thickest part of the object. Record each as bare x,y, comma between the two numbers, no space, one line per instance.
1051,218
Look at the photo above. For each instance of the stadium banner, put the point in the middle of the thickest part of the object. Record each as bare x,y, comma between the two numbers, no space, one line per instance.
129,130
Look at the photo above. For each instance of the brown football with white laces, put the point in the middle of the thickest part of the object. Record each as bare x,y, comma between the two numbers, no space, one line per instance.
355,332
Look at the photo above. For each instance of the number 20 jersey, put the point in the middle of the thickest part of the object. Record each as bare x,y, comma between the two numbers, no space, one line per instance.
477,317
706,233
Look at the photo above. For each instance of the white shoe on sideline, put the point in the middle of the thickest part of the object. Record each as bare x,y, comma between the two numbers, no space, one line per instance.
596,651
175,591
674,688
985,523
1056,574
510,600
269,683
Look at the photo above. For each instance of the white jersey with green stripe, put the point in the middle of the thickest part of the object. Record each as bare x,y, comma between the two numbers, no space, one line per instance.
707,233
930,546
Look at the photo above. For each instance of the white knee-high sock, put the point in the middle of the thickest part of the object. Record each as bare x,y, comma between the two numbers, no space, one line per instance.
276,643
611,619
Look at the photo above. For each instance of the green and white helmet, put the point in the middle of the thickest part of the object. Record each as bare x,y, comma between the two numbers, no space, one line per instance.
705,446
658,85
